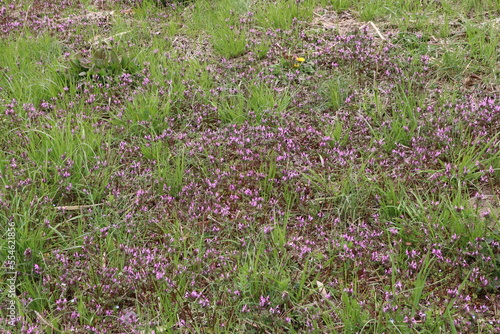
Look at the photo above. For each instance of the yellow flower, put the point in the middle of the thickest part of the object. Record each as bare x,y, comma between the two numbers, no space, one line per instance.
299,60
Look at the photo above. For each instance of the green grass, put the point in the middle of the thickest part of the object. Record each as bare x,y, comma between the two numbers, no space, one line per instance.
30,69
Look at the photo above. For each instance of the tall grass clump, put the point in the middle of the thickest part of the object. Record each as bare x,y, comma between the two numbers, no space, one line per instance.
30,69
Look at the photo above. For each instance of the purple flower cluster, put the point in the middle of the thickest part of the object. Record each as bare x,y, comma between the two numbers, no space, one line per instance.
239,219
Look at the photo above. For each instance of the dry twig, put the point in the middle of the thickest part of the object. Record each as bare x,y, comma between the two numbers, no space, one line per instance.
77,207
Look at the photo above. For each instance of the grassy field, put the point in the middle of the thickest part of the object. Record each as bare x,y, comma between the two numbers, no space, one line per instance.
250,166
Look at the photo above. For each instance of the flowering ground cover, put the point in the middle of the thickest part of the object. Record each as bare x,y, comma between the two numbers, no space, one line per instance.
249,166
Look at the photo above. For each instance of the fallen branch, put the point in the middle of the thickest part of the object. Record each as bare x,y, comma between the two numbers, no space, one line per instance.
77,207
